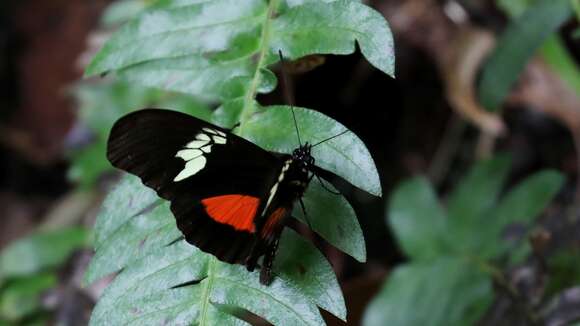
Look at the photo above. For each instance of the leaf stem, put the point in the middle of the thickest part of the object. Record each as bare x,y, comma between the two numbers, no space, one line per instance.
249,107
206,292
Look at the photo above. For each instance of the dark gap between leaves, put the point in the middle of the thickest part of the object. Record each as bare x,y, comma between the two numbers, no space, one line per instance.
188,283
175,241
242,314
149,207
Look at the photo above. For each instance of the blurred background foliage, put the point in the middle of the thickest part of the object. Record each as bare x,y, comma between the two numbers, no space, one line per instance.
462,236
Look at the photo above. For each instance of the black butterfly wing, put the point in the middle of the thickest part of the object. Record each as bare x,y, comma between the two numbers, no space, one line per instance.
215,180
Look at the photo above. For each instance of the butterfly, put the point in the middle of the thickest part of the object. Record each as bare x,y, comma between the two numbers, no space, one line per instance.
230,197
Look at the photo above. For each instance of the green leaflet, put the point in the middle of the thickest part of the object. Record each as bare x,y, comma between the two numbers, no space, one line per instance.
21,296
40,251
517,45
447,291
333,218
128,199
418,220
121,11
27,270
448,280
318,27
346,155
561,61
233,40
522,204
143,292
472,198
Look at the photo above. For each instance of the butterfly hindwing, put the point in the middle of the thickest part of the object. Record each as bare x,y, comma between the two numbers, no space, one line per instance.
216,181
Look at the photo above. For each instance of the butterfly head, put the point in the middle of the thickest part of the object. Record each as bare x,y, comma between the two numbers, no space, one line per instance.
302,156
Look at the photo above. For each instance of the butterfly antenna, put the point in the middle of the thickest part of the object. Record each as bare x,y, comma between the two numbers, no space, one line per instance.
287,94
329,138
296,126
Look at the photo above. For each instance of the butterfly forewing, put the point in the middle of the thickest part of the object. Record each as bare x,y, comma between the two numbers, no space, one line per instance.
218,183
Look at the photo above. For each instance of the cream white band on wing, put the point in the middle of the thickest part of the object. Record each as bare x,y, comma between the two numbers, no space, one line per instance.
193,153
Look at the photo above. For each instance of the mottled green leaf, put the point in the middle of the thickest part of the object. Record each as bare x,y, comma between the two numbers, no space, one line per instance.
472,199
89,164
447,291
529,198
136,238
448,281
40,251
21,296
346,155
121,11
418,220
228,114
514,8
305,268
126,200
232,42
557,56
517,45
332,217
144,292
522,204
318,27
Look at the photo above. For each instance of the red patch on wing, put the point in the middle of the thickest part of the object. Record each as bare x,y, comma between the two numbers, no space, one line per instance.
273,220
235,210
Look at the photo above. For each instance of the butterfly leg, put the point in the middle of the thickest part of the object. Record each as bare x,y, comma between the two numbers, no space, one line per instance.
255,252
267,243
326,188
305,214
268,262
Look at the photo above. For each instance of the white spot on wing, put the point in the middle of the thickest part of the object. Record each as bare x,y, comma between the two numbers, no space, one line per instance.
219,140
275,187
191,168
202,136
214,131
188,154
272,193
193,153
197,144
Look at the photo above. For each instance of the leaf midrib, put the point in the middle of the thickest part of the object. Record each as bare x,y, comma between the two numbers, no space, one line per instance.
121,46
205,294
248,107
266,294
